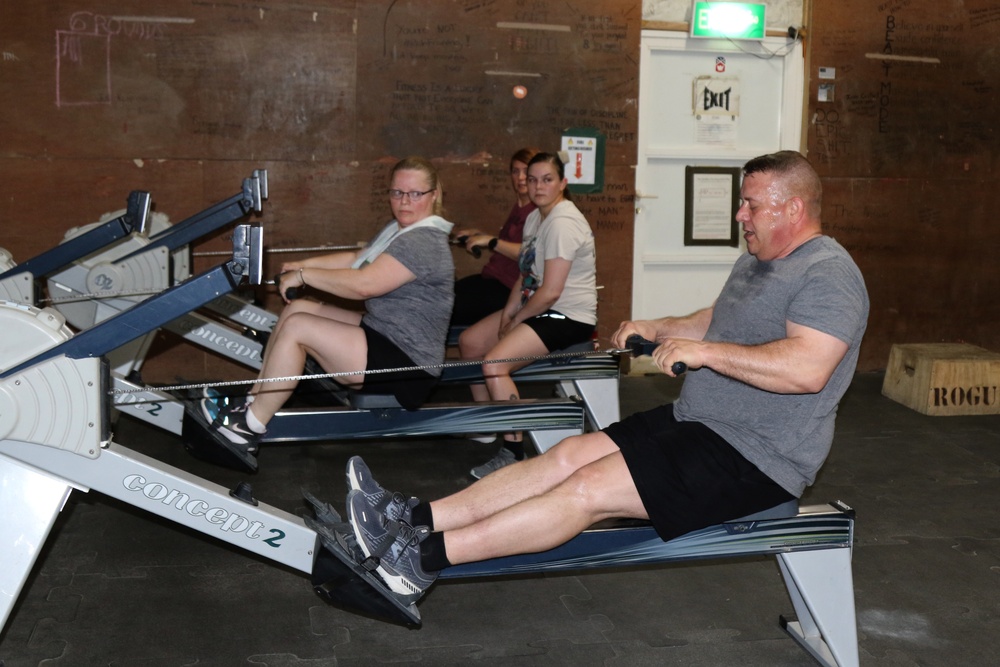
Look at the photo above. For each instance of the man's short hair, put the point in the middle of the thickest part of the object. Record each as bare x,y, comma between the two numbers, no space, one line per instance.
796,174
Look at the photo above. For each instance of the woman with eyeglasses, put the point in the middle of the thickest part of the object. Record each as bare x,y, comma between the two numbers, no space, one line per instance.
553,303
482,293
405,279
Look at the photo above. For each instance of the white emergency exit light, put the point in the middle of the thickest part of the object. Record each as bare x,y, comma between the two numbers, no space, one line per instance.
735,20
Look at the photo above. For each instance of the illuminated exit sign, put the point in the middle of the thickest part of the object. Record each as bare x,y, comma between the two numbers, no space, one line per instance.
736,20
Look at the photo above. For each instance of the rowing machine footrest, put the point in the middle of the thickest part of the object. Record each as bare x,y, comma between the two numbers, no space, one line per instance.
200,444
341,586
343,579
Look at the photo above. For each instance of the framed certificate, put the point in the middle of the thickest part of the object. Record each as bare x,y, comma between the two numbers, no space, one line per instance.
711,199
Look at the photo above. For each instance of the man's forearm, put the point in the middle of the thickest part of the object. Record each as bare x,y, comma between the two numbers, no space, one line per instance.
693,326
788,366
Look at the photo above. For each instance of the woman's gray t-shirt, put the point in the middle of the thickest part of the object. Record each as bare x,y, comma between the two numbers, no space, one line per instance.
415,316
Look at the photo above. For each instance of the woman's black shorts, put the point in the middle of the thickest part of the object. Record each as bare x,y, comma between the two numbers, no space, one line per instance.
687,476
411,388
477,297
558,331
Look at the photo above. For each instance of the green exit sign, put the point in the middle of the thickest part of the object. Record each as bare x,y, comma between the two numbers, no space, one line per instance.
736,20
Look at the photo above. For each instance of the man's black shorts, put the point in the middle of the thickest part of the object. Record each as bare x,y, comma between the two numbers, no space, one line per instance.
688,477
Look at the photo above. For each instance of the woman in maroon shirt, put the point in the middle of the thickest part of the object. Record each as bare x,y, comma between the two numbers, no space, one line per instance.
485,293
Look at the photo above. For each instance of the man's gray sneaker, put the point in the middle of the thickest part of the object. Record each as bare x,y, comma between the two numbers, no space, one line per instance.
392,547
503,458
393,505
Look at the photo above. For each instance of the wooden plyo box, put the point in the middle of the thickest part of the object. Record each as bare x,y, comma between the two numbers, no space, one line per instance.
943,379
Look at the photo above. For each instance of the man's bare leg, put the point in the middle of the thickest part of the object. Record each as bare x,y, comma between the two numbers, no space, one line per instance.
520,481
600,490
528,507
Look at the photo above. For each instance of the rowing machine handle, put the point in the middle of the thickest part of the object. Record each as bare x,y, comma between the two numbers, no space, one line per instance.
292,292
477,252
639,346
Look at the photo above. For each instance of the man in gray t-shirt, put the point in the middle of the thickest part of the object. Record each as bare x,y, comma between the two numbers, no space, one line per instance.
771,359
786,435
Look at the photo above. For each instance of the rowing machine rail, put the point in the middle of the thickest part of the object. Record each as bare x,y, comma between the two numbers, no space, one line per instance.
813,548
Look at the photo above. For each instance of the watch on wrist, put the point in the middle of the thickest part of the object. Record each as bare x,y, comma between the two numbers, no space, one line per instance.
492,245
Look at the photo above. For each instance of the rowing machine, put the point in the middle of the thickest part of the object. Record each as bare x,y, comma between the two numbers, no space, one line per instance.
128,272
131,269
17,281
53,373
143,265
558,418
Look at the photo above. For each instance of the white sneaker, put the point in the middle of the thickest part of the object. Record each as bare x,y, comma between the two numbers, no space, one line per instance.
485,438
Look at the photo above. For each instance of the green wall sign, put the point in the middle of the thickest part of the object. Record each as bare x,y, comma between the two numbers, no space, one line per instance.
735,20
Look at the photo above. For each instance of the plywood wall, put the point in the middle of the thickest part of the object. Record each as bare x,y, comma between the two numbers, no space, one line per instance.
185,99
905,140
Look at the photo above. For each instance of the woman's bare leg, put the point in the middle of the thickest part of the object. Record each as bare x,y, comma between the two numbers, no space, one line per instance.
475,342
329,334
521,341
311,307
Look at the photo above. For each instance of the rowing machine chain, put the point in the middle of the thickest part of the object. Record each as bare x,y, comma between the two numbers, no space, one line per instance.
98,295
274,251
378,371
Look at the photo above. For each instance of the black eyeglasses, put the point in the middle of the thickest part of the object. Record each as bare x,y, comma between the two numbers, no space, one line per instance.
414,195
